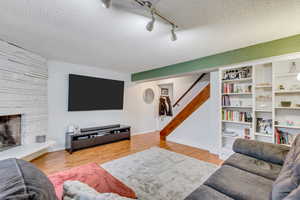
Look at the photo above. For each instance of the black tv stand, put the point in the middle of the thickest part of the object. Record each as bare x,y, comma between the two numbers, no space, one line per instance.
89,137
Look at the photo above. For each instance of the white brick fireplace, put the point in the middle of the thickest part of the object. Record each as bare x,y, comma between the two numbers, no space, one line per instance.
23,90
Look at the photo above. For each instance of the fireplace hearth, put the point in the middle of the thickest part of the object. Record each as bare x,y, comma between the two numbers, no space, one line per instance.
10,131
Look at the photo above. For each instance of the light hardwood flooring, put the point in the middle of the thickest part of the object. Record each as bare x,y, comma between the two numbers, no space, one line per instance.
61,160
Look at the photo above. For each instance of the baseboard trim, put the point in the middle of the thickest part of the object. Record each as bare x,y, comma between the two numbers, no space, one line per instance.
215,151
35,155
144,132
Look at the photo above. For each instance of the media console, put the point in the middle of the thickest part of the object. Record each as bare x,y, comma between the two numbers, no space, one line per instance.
94,136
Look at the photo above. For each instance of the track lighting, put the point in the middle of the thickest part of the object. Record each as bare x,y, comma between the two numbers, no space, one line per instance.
146,4
106,3
150,25
173,34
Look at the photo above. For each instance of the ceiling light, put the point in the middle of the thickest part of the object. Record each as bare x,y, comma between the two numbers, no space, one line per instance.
146,4
173,34
106,3
150,25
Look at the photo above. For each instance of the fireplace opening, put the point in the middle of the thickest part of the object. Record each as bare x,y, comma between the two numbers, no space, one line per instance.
10,131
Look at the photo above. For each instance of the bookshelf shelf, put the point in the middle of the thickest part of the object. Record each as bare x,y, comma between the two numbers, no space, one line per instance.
264,111
263,135
236,122
245,107
264,87
287,74
230,137
237,80
241,93
289,127
287,91
288,108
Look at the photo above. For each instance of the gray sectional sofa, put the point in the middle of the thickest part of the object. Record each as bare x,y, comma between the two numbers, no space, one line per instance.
20,180
257,171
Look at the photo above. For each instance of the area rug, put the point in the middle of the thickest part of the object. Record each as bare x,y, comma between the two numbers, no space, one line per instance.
159,174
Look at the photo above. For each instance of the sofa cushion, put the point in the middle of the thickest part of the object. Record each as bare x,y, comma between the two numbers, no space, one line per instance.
261,150
289,177
294,195
239,184
94,176
205,192
21,180
253,165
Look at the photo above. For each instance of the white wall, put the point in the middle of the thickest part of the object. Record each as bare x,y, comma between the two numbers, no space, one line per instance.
201,129
60,118
180,86
142,117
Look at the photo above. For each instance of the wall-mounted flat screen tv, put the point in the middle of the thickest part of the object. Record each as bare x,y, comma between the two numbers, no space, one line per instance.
90,93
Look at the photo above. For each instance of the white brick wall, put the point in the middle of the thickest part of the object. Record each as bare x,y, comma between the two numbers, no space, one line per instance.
23,89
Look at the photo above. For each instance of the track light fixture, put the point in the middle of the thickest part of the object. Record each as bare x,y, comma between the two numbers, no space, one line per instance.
150,25
173,34
106,3
148,5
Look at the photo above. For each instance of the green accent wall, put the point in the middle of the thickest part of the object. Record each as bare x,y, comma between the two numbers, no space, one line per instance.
258,51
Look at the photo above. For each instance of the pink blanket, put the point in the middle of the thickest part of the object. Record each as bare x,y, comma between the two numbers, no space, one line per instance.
94,176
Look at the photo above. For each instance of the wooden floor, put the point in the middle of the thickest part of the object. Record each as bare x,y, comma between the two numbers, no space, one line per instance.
60,160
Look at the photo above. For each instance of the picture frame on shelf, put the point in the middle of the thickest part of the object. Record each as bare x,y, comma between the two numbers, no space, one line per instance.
264,126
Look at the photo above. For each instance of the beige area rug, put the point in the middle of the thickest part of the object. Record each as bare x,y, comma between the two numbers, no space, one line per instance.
159,174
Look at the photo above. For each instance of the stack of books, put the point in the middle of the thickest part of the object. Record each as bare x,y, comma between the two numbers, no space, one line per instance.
236,88
230,115
226,101
283,137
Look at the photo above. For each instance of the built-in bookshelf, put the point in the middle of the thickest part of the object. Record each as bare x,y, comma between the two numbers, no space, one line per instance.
260,102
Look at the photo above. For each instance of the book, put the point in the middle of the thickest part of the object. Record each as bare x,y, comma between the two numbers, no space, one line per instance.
283,137
247,133
237,116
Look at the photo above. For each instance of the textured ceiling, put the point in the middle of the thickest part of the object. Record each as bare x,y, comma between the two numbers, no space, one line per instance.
83,32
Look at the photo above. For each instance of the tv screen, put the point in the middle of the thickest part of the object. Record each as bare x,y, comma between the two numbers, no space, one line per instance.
89,93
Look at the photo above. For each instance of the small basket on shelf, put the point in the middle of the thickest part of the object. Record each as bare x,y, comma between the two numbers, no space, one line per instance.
286,103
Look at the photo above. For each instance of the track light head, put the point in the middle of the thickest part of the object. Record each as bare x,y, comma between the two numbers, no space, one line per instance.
106,3
154,13
173,34
150,25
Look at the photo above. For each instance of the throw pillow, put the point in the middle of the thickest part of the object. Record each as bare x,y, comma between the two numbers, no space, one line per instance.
75,190
94,176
